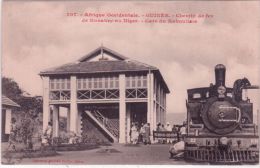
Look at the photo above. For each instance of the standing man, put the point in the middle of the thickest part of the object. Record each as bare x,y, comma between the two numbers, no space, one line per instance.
47,136
12,136
169,129
147,133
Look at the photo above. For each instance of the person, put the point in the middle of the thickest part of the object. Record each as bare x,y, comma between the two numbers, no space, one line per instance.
142,132
12,136
158,128
130,133
163,129
183,130
168,128
177,149
134,134
147,134
47,136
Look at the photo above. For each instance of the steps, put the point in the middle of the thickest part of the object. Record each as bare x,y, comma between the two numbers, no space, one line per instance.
110,126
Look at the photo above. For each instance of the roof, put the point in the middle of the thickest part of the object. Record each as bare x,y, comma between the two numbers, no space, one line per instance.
8,102
99,66
103,49
119,63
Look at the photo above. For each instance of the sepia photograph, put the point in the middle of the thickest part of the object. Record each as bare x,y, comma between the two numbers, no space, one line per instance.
130,82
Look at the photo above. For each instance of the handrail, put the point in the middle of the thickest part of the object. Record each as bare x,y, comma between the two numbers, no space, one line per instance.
109,124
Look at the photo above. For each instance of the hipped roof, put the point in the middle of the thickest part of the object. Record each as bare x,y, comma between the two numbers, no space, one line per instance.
120,64
8,102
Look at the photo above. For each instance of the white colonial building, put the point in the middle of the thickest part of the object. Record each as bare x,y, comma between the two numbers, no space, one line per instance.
104,92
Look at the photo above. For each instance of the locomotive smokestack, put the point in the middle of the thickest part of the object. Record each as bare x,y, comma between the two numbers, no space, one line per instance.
220,72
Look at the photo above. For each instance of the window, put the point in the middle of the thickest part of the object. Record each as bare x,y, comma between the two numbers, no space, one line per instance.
84,83
139,81
57,84
95,83
100,83
90,83
136,81
144,81
128,82
112,82
52,84
60,84
207,94
68,83
116,82
106,82
196,95
133,81
79,83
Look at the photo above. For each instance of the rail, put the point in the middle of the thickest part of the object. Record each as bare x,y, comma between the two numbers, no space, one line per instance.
112,125
164,136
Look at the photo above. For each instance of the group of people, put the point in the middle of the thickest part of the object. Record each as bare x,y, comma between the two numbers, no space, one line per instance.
140,134
179,130
161,127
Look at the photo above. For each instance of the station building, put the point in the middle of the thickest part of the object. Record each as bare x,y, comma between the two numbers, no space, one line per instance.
104,92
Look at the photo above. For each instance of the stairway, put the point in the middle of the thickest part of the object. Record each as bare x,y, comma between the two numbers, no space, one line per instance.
110,126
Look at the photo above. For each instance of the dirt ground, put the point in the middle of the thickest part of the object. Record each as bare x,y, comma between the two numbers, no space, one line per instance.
156,154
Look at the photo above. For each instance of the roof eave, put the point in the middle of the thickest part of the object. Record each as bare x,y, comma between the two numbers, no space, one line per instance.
72,73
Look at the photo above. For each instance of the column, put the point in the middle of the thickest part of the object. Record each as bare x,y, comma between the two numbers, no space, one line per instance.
8,118
68,119
150,100
122,109
55,122
73,104
46,107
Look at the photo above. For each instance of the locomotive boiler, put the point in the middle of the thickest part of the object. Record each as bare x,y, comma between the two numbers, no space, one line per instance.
220,126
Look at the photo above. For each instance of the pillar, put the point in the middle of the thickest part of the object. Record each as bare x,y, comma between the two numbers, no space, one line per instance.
8,117
122,109
68,119
73,104
150,101
46,106
55,122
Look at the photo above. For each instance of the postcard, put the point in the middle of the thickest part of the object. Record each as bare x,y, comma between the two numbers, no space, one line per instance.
130,82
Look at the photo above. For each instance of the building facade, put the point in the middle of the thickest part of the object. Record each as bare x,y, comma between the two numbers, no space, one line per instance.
8,106
106,88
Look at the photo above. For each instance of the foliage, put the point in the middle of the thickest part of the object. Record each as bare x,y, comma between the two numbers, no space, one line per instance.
28,128
11,89
31,104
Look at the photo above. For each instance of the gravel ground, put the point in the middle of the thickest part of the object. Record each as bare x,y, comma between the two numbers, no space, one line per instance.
116,154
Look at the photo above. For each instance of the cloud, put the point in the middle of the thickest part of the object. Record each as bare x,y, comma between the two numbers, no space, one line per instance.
38,35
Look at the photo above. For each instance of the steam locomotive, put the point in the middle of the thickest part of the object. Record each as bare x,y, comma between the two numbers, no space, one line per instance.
220,126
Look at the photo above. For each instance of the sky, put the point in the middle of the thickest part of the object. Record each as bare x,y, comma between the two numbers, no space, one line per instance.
39,35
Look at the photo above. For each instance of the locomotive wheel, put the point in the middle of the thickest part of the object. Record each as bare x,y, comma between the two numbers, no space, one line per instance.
212,115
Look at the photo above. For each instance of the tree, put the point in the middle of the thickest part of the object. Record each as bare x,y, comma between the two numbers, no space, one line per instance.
11,89
29,110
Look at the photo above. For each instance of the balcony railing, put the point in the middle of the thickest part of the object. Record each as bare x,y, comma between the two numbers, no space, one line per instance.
64,95
98,94
60,95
